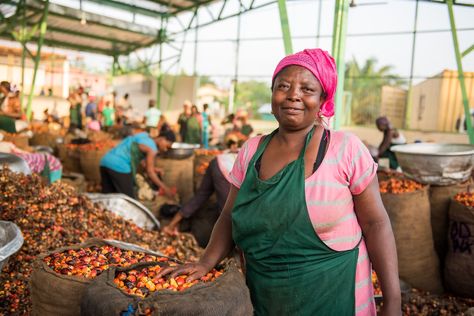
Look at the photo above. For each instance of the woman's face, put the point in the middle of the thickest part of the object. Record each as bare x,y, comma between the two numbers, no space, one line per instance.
296,98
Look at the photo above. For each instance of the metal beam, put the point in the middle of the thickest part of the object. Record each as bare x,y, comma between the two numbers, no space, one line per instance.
78,19
285,27
457,52
220,18
132,8
43,27
338,50
467,51
88,35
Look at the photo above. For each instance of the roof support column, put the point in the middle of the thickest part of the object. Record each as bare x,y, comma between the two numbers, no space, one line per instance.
338,51
233,97
43,27
458,55
285,27
159,79
409,102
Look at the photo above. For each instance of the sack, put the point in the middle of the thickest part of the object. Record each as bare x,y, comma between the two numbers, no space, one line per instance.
418,263
75,180
90,163
459,265
57,294
69,157
201,162
178,173
440,197
227,295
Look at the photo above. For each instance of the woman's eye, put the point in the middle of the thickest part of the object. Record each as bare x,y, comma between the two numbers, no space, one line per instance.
307,89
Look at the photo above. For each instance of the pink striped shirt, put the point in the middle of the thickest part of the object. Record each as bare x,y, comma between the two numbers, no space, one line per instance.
347,169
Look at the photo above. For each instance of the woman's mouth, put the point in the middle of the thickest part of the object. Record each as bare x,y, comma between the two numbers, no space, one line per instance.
291,110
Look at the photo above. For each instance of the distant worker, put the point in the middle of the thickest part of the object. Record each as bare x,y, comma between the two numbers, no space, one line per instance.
183,119
119,165
91,108
245,127
193,127
152,115
10,109
108,114
164,129
391,137
216,180
206,123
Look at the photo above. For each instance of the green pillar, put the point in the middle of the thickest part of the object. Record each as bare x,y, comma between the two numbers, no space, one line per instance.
43,27
285,27
408,108
338,51
115,66
457,52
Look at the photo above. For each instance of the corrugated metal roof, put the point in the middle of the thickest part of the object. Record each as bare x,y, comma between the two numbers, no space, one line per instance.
100,34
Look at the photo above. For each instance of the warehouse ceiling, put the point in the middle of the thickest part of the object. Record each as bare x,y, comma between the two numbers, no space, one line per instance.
74,28
101,31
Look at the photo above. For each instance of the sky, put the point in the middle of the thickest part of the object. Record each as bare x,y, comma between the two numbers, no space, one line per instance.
371,25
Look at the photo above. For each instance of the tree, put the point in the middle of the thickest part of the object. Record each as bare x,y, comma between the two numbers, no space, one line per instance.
365,83
252,94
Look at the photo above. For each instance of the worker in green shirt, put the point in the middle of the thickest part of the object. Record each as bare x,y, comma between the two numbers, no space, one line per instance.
108,114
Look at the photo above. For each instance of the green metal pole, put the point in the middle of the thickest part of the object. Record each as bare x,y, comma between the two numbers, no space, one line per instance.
336,27
160,65
457,52
23,54
43,27
22,92
236,73
285,27
114,66
339,49
409,102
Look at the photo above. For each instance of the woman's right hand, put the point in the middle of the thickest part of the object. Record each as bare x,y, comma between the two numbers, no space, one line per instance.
194,271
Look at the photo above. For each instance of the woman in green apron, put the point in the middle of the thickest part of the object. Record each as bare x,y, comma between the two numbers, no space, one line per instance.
282,211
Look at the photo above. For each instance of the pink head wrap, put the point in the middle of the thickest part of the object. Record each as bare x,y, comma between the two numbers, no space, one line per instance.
322,66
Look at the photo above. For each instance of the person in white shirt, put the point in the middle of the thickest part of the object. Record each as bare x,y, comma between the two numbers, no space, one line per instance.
152,115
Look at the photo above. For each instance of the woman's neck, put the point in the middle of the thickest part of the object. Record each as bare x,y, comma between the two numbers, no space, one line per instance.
290,137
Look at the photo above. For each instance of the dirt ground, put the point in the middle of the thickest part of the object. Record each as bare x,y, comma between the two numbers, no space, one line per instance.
374,137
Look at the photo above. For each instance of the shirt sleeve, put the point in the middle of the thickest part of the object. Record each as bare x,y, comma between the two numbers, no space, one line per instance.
237,174
146,140
362,167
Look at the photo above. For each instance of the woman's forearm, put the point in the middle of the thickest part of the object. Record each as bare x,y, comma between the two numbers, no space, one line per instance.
221,243
383,255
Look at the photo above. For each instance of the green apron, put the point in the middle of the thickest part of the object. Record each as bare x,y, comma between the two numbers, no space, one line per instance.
290,270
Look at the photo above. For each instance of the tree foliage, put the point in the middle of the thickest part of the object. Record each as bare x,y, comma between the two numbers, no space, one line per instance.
365,83
252,94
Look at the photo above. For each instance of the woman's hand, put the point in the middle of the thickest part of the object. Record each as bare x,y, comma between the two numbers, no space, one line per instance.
170,230
194,271
169,192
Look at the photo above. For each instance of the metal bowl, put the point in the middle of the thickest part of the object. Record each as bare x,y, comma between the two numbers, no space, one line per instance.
43,149
127,208
180,151
11,241
14,163
438,164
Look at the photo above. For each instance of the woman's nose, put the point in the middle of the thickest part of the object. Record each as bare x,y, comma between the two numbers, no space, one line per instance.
293,94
